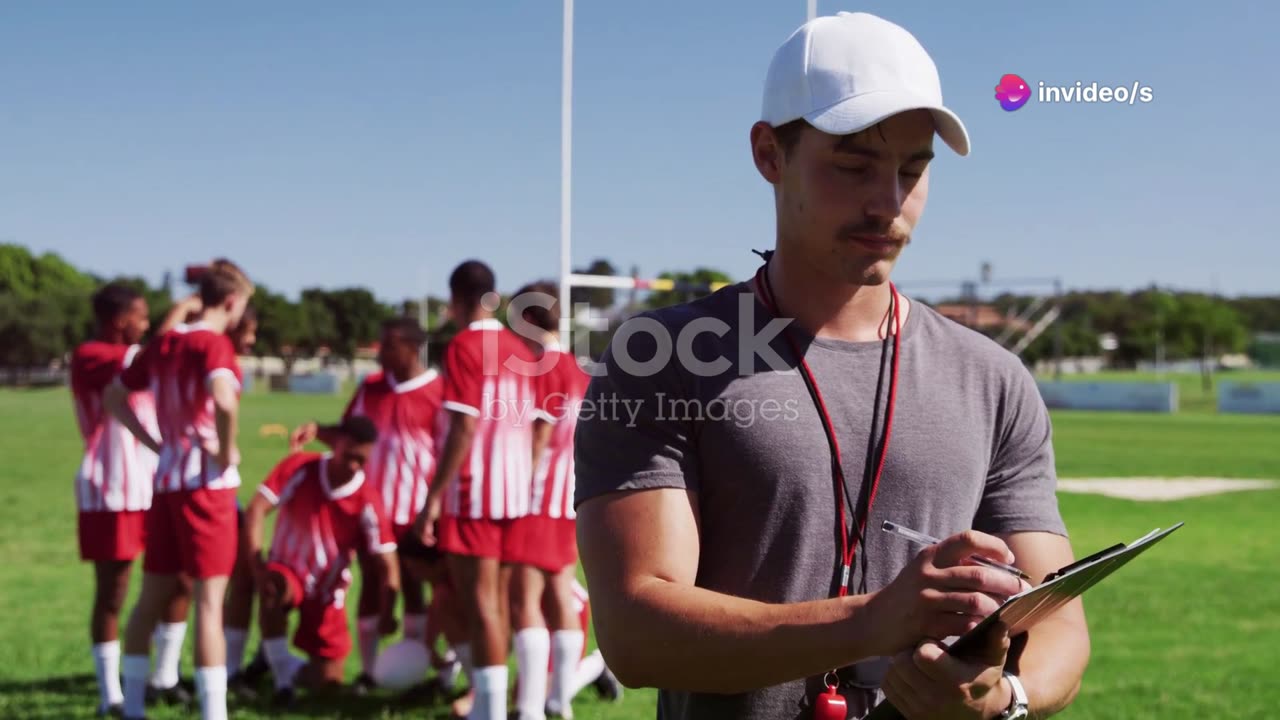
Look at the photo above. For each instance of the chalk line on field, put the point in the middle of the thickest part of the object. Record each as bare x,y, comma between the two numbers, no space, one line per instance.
1160,489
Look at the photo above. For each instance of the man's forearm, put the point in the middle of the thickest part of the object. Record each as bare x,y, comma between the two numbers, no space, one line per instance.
1052,663
225,419
390,580
255,521
116,399
682,637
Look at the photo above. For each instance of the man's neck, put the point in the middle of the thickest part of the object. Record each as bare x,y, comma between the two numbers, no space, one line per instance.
331,478
475,315
410,372
110,336
216,319
828,308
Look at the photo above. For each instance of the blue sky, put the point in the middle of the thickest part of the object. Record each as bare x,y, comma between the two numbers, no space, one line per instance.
321,143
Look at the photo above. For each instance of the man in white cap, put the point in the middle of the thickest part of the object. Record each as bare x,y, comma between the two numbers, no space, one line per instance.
730,527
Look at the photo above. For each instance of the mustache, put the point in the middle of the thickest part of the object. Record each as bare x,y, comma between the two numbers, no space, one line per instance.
890,230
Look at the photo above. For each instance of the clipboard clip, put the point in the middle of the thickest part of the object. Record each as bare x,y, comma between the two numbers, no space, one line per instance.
1084,561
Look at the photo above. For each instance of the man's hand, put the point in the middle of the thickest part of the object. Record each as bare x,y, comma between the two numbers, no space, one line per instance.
929,684
228,456
424,526
302,435
942,593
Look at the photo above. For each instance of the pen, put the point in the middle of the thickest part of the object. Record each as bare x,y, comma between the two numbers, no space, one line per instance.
921,538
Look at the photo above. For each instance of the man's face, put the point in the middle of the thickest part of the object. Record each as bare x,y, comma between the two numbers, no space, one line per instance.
348,459
236,304
135,321
245,335
396,355
847,204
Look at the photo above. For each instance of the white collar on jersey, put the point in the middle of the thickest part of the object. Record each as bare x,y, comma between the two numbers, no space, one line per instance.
191,327
486,324
552,346
342,491
410,385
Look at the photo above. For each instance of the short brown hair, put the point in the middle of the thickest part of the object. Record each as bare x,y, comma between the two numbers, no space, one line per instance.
222,280
788,134
546,318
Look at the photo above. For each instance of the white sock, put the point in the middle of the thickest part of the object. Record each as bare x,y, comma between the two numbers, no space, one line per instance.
589,668
135,669
236,639
211,688
284,664
491,693
566,653
168,641
533,654
415,627
368,629
106,663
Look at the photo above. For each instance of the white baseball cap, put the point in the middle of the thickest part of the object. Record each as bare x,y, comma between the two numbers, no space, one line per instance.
844,73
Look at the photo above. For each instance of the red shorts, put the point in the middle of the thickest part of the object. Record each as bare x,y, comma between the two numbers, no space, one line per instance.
473,537
111,536
193,532
546,543
322,630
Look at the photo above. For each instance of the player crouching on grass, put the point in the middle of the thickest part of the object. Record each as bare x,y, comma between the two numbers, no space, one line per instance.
327,513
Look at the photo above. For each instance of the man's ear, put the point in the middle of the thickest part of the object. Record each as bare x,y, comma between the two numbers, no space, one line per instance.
766,152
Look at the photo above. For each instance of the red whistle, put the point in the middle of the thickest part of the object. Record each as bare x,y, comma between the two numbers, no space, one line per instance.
830,705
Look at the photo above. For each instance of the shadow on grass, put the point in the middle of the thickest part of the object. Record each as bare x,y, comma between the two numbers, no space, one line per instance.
76,696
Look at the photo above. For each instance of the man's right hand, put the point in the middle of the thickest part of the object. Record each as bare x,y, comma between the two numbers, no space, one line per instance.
942,593
304,434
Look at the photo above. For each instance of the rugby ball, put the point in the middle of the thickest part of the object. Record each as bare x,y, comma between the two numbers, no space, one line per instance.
401,665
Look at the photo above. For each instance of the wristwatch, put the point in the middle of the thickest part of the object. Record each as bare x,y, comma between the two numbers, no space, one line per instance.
1018,705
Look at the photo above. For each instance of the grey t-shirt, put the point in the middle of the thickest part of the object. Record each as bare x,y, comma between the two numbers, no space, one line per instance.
970,448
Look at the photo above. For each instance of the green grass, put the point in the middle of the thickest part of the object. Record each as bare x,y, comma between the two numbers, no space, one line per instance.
1188,631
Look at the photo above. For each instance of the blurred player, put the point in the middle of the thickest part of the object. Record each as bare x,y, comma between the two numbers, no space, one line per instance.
113,486
403,401
327,512
191,526
238,612
543,544
482,479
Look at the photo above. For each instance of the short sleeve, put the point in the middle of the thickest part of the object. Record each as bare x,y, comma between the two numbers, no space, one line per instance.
220,359
1021,487
136,374
376,526
277,487
624,440
93,370
464,375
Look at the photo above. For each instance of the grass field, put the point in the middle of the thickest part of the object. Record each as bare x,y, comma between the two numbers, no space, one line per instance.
1187,632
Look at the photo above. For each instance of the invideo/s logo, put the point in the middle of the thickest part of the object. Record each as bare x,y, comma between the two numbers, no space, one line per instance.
1012,92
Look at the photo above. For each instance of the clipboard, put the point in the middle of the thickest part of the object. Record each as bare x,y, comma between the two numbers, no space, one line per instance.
1024,610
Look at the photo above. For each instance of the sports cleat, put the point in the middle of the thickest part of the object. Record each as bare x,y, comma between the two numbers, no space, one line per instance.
116,710
176,695
257,668
364,684
608,686
423,694
242,687
284,698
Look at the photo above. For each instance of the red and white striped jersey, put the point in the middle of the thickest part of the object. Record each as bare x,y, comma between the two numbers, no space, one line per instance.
117,471
178,367
483,378
407,415
319,526
560,392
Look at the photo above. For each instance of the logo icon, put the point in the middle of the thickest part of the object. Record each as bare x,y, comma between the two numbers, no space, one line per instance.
1012,92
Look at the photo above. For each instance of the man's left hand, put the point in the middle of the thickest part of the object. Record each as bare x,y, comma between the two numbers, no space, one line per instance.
929,684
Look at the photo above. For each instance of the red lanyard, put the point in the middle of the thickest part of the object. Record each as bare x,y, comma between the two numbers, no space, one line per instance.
848,545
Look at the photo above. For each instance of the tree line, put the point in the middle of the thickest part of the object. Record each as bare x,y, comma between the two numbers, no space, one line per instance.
45,312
